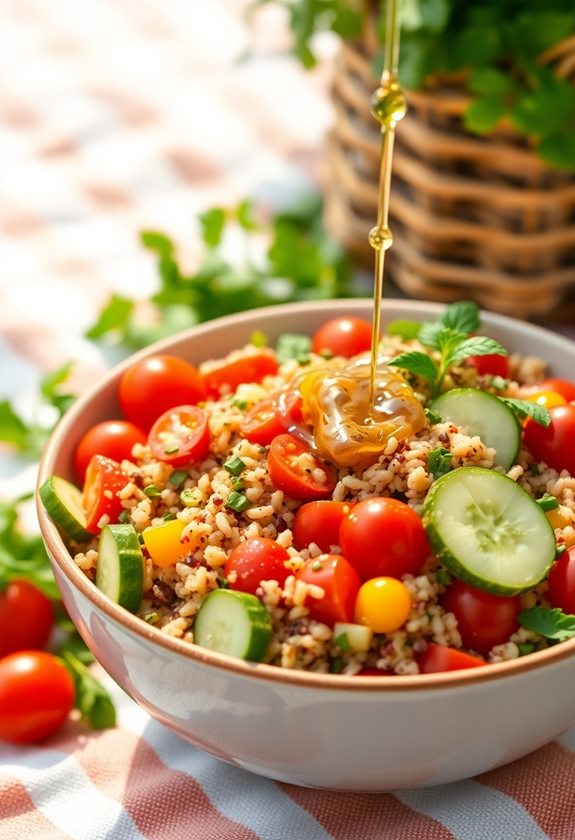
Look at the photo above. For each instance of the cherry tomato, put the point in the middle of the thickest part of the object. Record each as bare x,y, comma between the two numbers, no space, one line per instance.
339,580
383,603
271,417
180,435
255,560
374,672
554,444
383,537
26,617
296,470
36,696
153,385
438,658
345,336
493,364
483,619
546,398
559,386
561,582
319,523
104,479
226,378
113,438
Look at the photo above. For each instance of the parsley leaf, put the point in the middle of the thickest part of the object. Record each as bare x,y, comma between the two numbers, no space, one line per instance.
439,461
552,623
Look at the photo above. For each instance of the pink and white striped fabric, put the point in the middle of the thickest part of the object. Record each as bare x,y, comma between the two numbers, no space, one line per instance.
117,115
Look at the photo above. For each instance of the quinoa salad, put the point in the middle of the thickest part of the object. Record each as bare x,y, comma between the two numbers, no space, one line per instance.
299,563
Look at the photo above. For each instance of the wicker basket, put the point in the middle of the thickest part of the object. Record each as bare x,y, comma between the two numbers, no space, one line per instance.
475,217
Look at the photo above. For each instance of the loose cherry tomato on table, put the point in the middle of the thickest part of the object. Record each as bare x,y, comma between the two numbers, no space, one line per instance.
180,435
437,658
346,336
383,537
36,696
339,580
104,479
113,438
296,470
561,582
492,364
151,386
483,619
26,617
255,560
319,522
554,444
559,386
225,378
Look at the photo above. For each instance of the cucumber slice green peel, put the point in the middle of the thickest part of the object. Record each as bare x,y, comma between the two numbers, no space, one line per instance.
234,623
120,569
481,413
488,531
63,504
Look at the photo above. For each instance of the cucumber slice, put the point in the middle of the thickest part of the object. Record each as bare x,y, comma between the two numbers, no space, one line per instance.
234,623
63,503
120,569
488,531
481,413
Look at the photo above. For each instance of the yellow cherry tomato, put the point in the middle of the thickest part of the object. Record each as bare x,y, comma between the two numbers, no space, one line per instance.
383,603
546,398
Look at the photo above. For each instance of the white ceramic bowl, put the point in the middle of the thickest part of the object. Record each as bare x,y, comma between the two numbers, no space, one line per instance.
368,734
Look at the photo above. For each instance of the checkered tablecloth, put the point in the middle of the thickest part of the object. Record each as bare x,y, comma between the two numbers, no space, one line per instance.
118,115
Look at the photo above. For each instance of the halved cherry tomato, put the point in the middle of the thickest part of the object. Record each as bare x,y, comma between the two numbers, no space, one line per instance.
226,378
319,522
271,417
255,560
113,438
561,582
383,537
151,386
26,617
492,364
346,336
484,620
437,658
554,444
559,386
104,479
296,470
181,435
339,580
36,696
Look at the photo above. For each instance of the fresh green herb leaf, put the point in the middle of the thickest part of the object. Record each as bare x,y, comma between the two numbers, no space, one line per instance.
417,363
405,329
552,623
212,222
92,700
13,429
461,316
152,491
439,461
477,346
293,346
548,502
234,465
238,502
114,318
342,642
526,408
432,416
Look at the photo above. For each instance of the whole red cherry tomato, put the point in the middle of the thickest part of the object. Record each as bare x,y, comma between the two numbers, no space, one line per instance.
153,385
383,537
255,560
36,696
437,658
561,582
104,480
26,617
226,377
345,336
484,620
319,523
339,580
296,470
181,435
554,444
113,438
492,364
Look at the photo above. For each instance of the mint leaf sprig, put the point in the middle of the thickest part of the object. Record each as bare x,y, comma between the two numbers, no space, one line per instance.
549,622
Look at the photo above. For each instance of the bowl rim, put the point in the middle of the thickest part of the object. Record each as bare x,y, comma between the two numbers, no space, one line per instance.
273,673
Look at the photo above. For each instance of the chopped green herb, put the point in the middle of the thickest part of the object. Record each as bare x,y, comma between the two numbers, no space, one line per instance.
293,346
191,497
525,408
171,450
336,665
152,491
168,516
342,642
525,648
152,617
124,516
238,483
432,416
552,623
238,502
239,403
234,465
548,502
439,461
178,477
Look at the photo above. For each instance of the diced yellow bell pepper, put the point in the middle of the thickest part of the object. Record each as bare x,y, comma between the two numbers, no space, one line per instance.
557,518
164,542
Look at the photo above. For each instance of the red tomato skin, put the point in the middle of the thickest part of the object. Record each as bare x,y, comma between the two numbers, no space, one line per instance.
255,560
26,617
554,444
346,336
193,444
383,537
437,658
559,386
319,522
286,475
341,584
151,386
262,424
36,696
561,582
113,438
227,377
483,619
493,364
104,479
